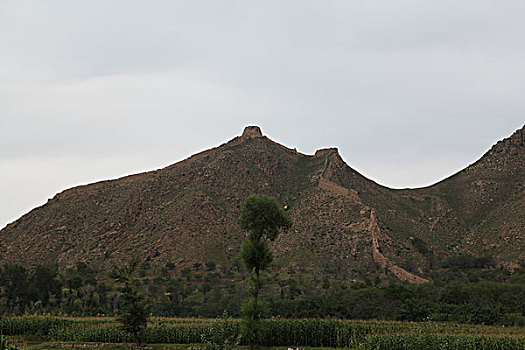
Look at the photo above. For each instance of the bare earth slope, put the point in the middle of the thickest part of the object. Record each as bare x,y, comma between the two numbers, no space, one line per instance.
344,223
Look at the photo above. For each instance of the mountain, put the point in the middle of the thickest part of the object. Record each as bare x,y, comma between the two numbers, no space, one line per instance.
344,224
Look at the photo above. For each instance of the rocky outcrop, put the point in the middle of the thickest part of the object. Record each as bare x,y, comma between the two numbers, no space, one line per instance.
323,151
251,132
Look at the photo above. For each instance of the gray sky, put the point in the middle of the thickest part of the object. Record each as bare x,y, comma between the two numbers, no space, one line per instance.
409,91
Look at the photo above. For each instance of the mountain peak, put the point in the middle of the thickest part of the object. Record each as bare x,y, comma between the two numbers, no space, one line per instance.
251,131
517,139
514,144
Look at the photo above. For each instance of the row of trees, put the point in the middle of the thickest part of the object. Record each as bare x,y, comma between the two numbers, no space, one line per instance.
454,297
22,288
43,290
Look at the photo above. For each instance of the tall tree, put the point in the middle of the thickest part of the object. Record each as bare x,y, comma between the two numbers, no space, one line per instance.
263,219
134,317
15,280
44,283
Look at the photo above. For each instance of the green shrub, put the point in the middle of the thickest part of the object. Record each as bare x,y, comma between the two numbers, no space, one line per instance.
223,334
514,319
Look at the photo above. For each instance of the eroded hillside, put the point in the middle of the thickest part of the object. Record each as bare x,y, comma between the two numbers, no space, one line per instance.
344,224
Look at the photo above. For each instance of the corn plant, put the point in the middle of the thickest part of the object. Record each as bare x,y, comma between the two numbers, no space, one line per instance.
222,335
4,344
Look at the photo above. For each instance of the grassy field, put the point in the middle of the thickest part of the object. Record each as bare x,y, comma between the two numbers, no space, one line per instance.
40,332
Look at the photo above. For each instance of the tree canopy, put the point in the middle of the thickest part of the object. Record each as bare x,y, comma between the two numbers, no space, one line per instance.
262,217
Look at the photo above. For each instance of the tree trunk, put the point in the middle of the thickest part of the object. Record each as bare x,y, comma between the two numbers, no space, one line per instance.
256,294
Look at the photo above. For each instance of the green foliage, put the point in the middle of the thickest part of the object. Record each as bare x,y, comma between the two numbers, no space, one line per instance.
210,265
15,280
434,342
450,297
514,319
223,334
4,345
74,282
134,316
466,261
262,217
33,325
103,334
420,245
256,254
255,312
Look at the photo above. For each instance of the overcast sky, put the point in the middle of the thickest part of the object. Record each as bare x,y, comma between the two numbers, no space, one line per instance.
409,91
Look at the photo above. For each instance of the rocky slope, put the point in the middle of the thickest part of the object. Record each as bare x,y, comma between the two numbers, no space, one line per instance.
344,224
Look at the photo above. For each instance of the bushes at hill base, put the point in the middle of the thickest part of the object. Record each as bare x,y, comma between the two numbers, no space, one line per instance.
490,296
481,302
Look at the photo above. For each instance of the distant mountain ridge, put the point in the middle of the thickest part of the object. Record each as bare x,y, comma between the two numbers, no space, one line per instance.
344,223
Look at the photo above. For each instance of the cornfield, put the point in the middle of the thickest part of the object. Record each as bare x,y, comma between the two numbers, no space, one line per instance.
279,332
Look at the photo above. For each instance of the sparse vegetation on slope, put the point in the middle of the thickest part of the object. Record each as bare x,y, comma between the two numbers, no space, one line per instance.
186,214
